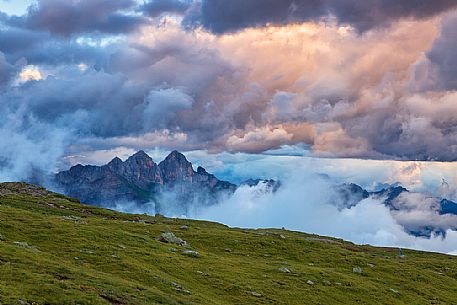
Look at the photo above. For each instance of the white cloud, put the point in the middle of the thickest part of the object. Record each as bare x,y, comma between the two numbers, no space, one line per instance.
303,204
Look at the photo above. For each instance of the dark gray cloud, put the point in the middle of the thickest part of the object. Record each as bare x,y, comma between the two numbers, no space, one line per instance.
19,40
443,55
41,48
6,70
222,16
155,8
85,16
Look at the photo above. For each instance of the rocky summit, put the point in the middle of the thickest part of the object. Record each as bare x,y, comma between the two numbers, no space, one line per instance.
140,180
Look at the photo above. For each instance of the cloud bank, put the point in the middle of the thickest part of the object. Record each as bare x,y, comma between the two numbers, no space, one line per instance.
306,203
222,16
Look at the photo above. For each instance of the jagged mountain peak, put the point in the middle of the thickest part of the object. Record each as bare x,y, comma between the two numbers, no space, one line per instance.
176,156
176,167
201,170
115,161
141,180
140,156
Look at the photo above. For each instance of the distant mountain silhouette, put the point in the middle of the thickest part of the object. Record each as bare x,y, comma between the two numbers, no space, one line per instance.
140,180
396,199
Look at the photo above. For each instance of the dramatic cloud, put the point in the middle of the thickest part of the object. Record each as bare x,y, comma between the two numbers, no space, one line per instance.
156,8
117,79
83,16
442,55
6,70
222,16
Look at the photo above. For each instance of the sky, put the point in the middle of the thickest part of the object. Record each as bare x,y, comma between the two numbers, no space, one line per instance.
82,81
15,7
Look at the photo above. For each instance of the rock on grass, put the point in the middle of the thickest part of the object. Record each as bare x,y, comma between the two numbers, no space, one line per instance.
284,269
357,270
169,237
191,253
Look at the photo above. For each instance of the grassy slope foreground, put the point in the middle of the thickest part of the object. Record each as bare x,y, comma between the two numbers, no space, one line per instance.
54,250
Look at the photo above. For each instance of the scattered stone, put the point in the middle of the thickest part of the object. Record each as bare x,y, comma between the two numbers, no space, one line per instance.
309,282
202,273
121,246
184,228
256,294
439,273
310,264
173,250
22,302
73,218
284,269
86,251
227,250
2,238
70,218
179,288
371,265
326,283
357,270
272,234
338,283
191,253
169,237
25,245
393,290
324,240
15,188
400,253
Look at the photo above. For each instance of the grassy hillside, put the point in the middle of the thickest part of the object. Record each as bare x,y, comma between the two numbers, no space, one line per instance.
54,250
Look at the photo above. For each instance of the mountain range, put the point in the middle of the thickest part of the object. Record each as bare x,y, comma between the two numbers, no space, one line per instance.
140,180
401,201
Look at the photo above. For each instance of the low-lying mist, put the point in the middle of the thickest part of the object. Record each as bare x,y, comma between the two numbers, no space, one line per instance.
309,203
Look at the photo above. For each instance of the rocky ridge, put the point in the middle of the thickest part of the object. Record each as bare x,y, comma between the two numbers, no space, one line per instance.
140,180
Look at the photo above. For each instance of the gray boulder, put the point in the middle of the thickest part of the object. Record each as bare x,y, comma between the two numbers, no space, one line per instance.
169,237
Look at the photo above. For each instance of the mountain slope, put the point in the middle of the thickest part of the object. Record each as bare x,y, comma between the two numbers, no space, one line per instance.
54,250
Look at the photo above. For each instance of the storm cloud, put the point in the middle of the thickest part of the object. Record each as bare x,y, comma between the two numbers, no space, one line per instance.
114,75
155,8
222,16
84,16
442,55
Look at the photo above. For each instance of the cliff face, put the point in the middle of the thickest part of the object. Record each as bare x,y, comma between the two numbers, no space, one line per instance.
139,179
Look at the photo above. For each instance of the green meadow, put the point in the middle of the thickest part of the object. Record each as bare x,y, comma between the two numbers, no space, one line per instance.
54,250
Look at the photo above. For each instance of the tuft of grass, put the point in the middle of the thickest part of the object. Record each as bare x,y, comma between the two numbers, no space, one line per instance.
54,250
